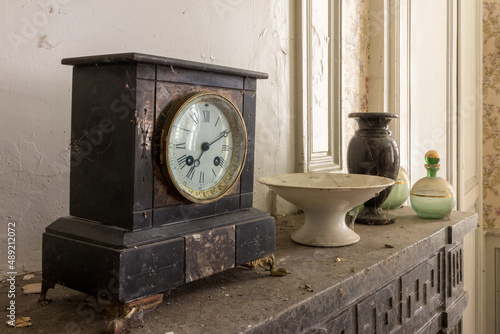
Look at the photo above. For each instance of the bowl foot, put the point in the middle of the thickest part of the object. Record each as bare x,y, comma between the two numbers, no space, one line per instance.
325,229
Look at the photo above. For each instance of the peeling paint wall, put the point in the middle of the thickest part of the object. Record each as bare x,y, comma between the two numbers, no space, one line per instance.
355,64
35,89
355,55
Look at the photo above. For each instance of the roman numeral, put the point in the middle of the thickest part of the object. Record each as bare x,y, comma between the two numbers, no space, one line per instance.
182,161
213,172
206,116
195,118
217,121
222,162
225,148
202,177
190,173
180,146
183,129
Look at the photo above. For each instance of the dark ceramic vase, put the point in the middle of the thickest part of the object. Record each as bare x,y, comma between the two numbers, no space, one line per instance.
373,151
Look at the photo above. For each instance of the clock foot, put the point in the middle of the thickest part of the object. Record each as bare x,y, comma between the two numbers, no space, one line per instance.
268,263
46,285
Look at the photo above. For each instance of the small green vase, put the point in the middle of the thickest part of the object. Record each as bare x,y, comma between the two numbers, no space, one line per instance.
400,191
432,196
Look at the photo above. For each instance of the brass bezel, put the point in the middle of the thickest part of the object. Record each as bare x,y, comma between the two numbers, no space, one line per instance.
172,116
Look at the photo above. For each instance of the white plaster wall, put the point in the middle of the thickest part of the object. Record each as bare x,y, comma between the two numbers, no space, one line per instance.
35,90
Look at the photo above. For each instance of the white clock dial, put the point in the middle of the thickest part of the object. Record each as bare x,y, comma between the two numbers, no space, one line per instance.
206,147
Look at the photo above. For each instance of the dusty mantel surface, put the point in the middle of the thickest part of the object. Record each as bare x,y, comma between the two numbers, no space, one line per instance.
241,300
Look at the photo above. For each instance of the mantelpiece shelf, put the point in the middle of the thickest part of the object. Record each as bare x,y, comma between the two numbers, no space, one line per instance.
399,278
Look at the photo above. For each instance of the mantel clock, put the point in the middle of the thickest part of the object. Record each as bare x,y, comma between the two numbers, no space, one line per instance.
161,180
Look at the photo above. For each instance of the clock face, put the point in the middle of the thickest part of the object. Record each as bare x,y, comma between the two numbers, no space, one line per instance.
205,147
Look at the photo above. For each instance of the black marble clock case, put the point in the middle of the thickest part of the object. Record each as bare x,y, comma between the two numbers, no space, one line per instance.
128,235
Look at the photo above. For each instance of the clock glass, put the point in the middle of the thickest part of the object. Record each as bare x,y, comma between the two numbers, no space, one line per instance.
205,147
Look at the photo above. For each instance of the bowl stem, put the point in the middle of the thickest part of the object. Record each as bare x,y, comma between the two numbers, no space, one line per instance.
325,229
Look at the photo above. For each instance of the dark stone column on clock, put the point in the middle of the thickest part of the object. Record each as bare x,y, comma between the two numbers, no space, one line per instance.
143,165
111,168
247,175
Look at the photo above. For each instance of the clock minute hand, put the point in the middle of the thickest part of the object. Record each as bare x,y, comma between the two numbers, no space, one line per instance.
223,134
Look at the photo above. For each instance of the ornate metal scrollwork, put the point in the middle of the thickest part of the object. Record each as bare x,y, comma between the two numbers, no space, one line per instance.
267,263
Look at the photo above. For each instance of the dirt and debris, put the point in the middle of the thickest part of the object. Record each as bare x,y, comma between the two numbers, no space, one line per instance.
33,288
133,319
308,288
342,293
20,322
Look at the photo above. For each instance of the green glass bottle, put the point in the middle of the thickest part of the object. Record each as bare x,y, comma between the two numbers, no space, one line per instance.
400,191
432,196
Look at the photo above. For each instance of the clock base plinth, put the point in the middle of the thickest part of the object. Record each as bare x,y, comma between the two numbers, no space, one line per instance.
117,265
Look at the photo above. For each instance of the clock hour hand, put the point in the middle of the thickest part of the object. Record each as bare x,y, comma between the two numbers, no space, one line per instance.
204,147
197,161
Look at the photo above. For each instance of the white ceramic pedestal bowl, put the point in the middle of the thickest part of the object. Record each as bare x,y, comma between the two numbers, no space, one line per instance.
325,199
